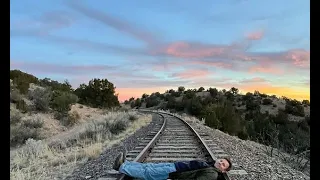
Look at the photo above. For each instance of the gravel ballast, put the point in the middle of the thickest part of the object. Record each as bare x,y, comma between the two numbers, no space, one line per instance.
100,167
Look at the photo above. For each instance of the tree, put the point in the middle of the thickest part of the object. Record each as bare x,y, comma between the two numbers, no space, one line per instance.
201,89
256,93
306,102
98,93
145,95
267,101
234,90
181,89
213,92
22,80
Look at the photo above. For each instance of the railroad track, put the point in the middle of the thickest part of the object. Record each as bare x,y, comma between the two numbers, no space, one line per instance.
175,140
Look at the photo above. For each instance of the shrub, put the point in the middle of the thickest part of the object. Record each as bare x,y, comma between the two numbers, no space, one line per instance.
73,118
15,117
15,96
297,110
266,101
200,89
281,117
252,105
62,101
19,134
33,122
22,106
181,89
306,102
41,98
212,121
213,92
118,126
263,95
132,117
243,135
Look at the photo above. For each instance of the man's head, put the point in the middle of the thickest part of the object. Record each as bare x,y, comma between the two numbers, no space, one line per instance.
223,164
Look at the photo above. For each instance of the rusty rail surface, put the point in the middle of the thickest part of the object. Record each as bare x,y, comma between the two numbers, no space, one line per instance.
184,133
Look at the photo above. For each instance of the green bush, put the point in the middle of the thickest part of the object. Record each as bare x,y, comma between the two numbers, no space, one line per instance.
211,120
118,126
252,105
200,89
296,110
22,80
19,134
15,117
98,93
62,101
243,135
41,98
281,118
31,123
133,117
22,106
213,92
15,96
266,101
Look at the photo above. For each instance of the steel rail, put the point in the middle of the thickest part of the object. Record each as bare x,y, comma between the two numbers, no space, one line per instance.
146,150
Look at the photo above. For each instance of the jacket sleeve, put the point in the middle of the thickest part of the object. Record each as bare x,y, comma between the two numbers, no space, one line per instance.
206,175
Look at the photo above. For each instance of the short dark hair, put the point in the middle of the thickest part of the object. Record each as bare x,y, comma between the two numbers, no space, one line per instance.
230,164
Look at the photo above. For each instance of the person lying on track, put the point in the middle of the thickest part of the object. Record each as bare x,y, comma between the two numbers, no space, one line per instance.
194,169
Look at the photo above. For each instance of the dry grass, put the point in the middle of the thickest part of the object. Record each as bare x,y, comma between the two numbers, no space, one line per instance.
42,160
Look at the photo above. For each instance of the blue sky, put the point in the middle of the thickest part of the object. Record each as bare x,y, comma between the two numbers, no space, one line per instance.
148,46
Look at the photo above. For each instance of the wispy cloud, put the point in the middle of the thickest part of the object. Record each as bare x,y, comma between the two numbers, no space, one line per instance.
253,80
192,73
53,68
116,23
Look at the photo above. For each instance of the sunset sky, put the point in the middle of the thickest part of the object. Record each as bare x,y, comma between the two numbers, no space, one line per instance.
147,46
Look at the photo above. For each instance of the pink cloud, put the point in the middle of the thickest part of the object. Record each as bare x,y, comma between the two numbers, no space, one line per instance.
193,50
300,57
187,74
219,64
256,35
269,70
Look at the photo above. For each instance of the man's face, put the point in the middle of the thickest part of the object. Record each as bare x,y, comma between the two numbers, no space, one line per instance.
221,164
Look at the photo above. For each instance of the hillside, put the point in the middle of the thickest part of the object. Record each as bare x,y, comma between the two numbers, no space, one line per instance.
280,123
55,130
